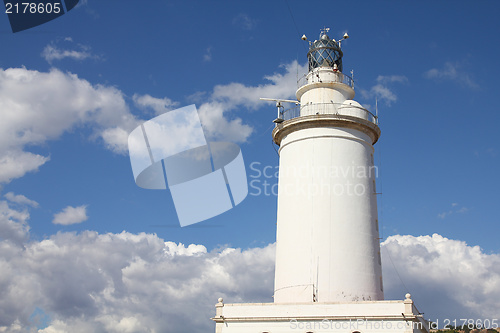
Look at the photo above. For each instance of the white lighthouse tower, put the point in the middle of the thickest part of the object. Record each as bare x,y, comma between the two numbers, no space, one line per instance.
328,275
327,247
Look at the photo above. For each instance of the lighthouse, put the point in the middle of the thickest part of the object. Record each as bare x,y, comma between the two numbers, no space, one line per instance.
328,274
327,247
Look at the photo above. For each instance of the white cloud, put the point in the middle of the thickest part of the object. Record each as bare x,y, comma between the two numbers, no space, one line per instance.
444,214
218,127
91,282
383,89
159,105
197,97
14,228
455,209
383,93
244,22
15,163
51,53
229,97
115,138
392,78
20,199
216,107
448,278
208,55
279,86
54,51
174,249
453,72
36,107
71,215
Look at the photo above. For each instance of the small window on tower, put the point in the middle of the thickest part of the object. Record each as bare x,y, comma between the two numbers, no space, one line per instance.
376,224
381,284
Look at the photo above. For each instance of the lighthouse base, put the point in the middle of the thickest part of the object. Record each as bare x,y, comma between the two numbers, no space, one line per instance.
360,317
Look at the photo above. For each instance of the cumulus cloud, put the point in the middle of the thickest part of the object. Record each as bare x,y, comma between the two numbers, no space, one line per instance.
279,85
159,105
36,107
15,163
218,127
217,107
71,215
115,138
448,278
229,97
452,72
20,199
383,89
14,228
91,282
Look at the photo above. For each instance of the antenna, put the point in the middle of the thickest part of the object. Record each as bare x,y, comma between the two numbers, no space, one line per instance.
280,107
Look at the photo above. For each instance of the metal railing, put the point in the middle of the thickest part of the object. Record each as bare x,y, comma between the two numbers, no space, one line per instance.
330,108
336,77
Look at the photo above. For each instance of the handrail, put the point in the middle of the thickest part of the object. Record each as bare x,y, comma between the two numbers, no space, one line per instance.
338,77
330,108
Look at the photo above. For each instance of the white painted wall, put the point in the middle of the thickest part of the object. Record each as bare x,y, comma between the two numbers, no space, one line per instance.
365,317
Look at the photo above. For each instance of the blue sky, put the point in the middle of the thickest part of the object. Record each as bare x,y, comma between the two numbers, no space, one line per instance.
72,89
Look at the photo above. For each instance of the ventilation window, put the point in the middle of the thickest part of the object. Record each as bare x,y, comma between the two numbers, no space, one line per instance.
381,285
376,224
